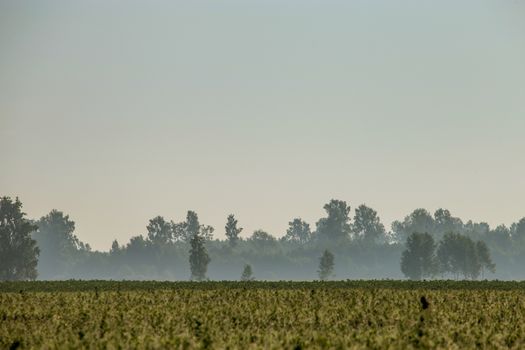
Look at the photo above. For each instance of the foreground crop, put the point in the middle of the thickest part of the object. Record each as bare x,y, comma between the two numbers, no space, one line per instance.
259,315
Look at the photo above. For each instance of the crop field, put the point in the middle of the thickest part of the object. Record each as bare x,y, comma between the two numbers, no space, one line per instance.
269,315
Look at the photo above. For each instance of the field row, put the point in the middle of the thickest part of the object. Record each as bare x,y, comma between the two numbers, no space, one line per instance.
271,317
108,285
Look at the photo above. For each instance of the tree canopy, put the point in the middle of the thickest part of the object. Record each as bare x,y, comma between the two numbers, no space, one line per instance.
18,251
336,225
326,265
418,260
232,231
167,250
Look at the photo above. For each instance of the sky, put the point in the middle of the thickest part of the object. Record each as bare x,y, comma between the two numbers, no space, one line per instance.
118,111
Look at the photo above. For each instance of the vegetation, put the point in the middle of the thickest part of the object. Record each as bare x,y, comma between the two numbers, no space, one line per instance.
18,251
108,285
326,265
191,315
418,260
57,243
456,255
298,232
247,273
364,249
199,258
336,225
232,231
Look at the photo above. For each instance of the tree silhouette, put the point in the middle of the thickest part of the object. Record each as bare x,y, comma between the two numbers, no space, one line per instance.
160,231
459,254
59,246
18,251
326,265
418,260
298,231
247,273
419,220
186,230
232,231
367,225
336,225
484,258
199,258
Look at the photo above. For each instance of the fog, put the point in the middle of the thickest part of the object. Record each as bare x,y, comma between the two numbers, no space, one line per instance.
362,247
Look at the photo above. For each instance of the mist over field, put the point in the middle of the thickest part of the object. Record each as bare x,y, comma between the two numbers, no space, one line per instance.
343,244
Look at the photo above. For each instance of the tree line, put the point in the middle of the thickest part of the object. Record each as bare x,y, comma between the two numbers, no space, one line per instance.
168,250
456,255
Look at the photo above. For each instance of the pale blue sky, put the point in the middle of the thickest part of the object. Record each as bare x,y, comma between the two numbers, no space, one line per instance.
117,111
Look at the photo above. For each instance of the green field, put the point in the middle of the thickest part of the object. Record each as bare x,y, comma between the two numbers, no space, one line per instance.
270,315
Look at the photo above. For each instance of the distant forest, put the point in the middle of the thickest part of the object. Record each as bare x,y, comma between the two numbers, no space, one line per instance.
344,244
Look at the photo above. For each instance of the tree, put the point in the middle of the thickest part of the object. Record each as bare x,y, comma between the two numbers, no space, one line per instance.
186,230
484,258
367,224
160,232
500,238
444,222
459,254
450,254
115,248
518,231
199,258
232,231
472,267
262,241
418,260
138,251
326,265
247,273
298,231
336,225
476,229
60,248
419,220
18,251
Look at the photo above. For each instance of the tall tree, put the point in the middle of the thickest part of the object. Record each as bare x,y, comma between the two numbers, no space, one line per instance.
186,230
459,254
419,220
115,248
499,238
199,258
298,231
450,254
336,225
138,251
518,231
326,265
60,248
484,258
472,268
444,222
18,251
232,231
418,260
160,231
476,230
367,224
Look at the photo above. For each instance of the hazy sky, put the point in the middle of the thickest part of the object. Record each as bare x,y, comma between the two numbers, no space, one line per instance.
118,111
